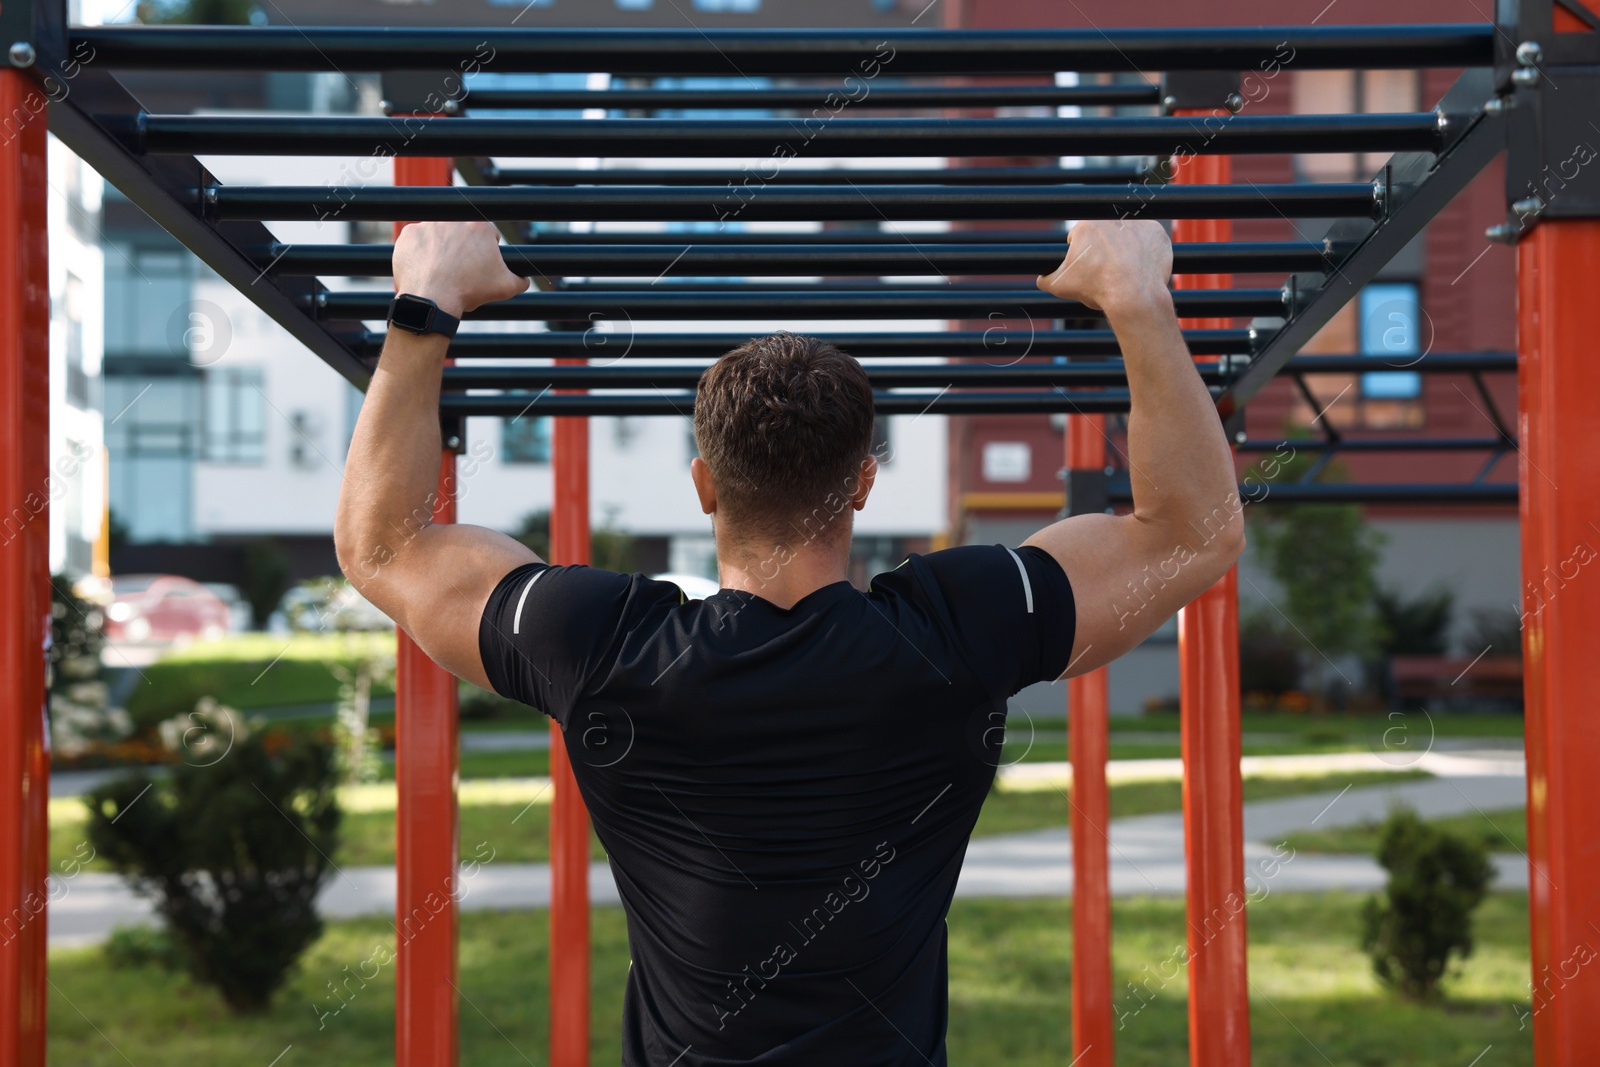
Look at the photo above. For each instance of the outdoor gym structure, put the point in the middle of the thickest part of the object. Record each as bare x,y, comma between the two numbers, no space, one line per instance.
1531,88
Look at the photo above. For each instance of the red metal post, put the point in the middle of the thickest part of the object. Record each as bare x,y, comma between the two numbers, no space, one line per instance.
1213,799
569,819
1558,425
427,1008
24,571
1090,819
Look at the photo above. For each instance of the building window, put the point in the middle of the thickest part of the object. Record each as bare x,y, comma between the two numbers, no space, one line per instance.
525,440
147,299
1007,461
1323,92
1385,321
72,306
152,417
235,415
1390,330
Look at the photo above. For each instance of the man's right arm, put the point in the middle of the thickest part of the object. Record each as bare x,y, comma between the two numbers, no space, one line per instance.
1130,573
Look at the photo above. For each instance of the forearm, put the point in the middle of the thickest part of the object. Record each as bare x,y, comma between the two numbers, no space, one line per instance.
1180,466
391,473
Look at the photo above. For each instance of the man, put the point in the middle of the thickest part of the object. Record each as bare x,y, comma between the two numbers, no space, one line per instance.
785,774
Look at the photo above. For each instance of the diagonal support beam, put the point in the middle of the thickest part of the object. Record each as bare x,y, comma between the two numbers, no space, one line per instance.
165,189
1418,186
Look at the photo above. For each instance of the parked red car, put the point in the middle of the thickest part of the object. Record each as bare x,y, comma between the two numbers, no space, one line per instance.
163,607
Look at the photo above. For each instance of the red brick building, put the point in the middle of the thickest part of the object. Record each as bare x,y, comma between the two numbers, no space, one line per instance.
1451,287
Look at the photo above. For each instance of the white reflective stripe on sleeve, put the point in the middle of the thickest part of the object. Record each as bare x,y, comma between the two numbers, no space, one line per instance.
516,620
1027,586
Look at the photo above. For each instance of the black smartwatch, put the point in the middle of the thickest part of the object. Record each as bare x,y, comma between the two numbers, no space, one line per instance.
420,315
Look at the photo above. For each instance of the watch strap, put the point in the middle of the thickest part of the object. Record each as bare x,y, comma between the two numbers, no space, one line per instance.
438,321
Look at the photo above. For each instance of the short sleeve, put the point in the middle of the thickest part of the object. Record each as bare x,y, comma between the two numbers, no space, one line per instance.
1009,611
547,631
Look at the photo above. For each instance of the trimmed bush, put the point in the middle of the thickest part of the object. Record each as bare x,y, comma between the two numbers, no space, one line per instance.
234,845
1423,918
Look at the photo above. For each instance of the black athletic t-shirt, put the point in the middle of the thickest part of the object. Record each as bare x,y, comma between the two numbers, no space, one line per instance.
785,795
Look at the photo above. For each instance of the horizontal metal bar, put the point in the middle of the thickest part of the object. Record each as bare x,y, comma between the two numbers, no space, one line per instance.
799,175
688,258
1379,444
350,135
780,51
854,94
944,303
1000,345
721,238
1353,493
803,203
631,375
1431,362
662,402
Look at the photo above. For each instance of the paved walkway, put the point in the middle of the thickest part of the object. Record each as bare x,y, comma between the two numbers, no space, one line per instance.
1146,851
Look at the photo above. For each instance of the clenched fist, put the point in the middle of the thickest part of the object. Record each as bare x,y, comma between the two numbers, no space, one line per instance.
457,265
1113,266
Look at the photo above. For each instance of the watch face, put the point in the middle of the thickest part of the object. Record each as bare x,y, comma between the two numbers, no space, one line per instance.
410,313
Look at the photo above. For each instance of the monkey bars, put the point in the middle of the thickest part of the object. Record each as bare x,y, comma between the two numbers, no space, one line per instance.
601,294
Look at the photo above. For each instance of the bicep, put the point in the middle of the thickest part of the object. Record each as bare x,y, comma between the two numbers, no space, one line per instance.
1128,577
435,588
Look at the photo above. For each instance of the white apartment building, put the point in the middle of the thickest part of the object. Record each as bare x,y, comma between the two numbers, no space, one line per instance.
77,445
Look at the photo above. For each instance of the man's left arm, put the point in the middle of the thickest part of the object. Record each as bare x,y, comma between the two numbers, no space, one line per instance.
432,580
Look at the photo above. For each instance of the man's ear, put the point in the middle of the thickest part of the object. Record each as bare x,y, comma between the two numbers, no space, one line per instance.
869,472
704,487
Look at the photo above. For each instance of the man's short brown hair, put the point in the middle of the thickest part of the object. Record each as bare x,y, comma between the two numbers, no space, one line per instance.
785,423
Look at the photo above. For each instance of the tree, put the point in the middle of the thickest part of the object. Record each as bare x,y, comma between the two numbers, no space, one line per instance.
234,847
1423,919
266,578
609,548
1415,627
200,12
1324,557
80,710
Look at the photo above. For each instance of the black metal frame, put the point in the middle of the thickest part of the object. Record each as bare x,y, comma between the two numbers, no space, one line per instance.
151,158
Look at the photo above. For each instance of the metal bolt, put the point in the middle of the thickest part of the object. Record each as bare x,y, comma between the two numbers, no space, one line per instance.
1503,233
22,54
453,443
1110,470
386,106
1525,77
211,194
1495,107
1528,206
1380,193
1169,104
1529,54
1234,103
452,107
1287,295
1240,437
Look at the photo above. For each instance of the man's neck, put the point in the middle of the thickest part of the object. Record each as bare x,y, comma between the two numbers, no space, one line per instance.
782,575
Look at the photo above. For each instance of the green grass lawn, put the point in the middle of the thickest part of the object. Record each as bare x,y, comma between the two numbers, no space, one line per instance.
1357,726
520,832
1009,813
1500,831
1313,999
525,763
